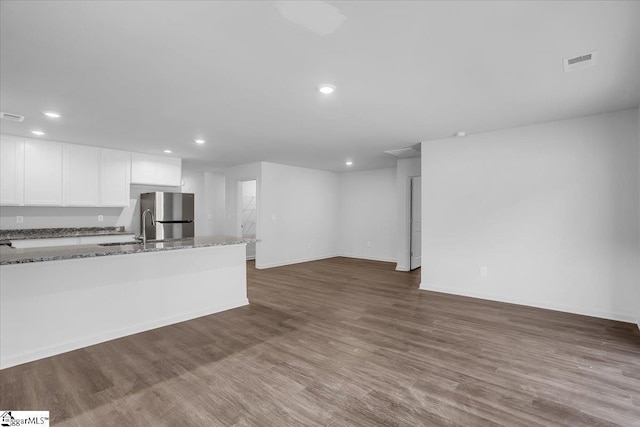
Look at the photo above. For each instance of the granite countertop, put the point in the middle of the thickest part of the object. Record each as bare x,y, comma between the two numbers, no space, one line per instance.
9,255
53,233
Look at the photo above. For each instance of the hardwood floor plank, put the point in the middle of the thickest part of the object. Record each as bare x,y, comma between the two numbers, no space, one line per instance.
346,342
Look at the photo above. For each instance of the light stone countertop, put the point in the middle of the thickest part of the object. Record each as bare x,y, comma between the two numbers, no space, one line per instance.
9,255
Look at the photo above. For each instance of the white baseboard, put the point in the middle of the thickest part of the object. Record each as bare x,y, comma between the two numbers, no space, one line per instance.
261,266
402,268
622,317
318,258
370,258
111,335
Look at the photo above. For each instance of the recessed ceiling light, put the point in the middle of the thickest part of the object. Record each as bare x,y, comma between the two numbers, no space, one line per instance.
460,134
168,151
326,89
348,163
37,132
199,141
52,114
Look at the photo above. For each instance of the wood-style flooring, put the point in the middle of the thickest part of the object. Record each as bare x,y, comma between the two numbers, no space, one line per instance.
345,342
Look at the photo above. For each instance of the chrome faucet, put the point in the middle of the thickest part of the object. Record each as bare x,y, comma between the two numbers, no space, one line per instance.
144,225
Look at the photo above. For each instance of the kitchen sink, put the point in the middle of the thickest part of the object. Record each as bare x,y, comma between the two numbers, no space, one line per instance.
121,243
136,242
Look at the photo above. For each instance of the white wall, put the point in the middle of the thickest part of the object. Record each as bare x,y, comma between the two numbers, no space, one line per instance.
61,217
406,169
56,217
208,186
297,215
209,191
638,319
367,213
307,214
214,185
551,210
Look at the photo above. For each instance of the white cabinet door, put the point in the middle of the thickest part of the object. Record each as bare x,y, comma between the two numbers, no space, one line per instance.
144,169
115,170
169,171
42,173
81,174
155,170
11,170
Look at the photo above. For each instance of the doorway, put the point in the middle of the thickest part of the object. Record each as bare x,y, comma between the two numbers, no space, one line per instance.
249,214
416,223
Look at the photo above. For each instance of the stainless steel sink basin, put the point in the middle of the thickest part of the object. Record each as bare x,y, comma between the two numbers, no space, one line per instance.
122,244
138,242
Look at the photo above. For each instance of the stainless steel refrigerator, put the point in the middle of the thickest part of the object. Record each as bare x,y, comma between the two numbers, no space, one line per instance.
172,214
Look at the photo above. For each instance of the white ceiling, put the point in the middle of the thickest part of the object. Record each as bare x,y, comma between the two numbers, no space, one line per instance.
146,76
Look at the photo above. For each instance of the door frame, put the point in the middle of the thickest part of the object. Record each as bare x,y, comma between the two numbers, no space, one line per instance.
411,267
239,195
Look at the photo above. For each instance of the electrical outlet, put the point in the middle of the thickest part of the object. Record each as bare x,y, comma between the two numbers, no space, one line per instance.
483,271
369,243
19,219
273,217
100,218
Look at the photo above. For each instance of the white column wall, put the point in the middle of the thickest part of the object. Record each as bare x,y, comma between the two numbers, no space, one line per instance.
367,214
406,169
551,211
297,215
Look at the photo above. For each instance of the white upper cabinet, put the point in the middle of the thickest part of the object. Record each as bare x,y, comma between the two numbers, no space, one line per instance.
11,170
42,173
155,170
81,175
95,176
169,171
47,173
115,177
143,169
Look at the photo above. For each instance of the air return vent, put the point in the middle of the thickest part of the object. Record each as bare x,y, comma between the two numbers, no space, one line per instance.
406,153
12,117
581,61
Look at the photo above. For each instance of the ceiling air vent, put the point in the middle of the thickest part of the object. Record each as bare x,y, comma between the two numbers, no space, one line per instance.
406,153
12,117
581,61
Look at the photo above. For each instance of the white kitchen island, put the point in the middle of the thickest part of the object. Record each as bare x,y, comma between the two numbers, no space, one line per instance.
54,300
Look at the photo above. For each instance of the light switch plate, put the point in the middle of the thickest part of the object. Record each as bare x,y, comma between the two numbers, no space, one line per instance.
100,218
19,219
